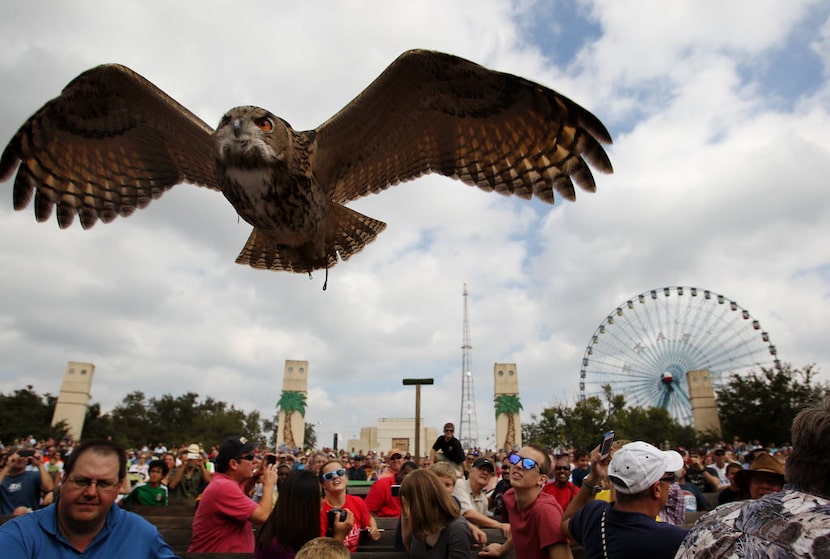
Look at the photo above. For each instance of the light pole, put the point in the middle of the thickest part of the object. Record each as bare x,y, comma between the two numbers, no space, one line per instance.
417,382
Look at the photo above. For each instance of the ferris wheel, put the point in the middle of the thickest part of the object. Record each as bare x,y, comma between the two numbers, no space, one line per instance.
645,347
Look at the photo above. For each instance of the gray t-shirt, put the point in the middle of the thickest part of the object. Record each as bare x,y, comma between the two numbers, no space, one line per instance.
454,542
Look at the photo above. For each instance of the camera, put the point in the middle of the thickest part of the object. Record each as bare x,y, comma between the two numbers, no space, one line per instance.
193,456
270,458
396,490
332,515
26,453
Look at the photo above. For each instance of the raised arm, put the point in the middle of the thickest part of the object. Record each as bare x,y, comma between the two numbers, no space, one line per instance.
596,477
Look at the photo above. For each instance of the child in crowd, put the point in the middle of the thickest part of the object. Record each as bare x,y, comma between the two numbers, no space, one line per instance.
152,491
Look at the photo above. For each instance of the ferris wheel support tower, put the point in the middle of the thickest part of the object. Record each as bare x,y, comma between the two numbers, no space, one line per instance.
468,429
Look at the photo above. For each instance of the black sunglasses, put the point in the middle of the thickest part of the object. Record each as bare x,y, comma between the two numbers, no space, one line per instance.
246,457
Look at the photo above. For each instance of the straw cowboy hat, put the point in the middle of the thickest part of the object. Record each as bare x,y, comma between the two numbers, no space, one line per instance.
763,462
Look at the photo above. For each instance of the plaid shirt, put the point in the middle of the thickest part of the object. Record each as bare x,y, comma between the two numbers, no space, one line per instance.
675,510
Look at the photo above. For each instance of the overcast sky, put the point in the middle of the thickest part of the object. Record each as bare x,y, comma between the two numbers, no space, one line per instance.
721,125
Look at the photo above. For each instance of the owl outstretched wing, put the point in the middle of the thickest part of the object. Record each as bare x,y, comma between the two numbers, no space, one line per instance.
434,112
110,143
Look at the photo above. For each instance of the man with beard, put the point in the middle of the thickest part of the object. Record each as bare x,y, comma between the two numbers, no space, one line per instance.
83,522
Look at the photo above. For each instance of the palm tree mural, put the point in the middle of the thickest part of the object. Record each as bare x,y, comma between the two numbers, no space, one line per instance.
290,402
509,405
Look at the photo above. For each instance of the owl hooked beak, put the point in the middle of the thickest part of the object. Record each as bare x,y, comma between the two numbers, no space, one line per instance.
237,127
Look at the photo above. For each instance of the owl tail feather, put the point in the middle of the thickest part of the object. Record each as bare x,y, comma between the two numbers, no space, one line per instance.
348,232
345,233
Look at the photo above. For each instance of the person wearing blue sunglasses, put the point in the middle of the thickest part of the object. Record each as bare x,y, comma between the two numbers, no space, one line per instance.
335,480
535,517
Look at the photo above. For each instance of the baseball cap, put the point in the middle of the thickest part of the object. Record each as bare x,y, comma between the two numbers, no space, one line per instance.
637,466
234,447
482,463
393,452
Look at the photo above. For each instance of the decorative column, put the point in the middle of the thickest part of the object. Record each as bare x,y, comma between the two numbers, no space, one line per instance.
74,397
292,404
507,407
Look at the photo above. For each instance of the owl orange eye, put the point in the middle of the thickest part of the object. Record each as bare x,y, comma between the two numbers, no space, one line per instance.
265,123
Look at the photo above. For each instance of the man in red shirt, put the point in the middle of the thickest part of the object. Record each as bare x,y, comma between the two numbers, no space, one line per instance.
535,517
561,487
380,500
223,519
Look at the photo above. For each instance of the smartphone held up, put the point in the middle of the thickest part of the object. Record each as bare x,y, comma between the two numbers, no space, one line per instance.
605,445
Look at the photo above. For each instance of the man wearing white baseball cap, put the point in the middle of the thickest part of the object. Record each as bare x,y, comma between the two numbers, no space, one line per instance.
640,475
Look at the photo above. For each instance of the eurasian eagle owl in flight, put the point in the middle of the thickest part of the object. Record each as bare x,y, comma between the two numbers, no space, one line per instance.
112,142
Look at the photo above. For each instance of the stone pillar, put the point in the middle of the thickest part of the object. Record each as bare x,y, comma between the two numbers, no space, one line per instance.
74,397
507,406
702,399
292,404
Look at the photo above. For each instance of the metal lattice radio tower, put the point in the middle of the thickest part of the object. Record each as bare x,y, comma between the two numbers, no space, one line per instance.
468,430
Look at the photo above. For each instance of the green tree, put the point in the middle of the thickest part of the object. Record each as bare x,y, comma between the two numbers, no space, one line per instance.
291,401
25,412
654,425
96,424
137,421
762,405
509,405
582,424
310,435
579,425
131,421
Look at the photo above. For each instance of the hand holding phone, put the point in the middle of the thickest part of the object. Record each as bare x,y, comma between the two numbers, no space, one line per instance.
605,445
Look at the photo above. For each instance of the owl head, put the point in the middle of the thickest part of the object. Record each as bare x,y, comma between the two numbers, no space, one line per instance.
251,137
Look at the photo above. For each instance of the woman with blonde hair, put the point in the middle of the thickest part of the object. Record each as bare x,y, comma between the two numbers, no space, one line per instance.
431,522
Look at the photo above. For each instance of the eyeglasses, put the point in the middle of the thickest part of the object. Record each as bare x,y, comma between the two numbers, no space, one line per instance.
527,463
328,476
100,484
449,430
562,468
395,457
246,457
670,478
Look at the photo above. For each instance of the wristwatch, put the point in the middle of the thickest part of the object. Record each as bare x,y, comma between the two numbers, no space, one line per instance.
596,489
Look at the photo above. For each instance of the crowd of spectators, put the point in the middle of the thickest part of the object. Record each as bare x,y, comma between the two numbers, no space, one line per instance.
237,484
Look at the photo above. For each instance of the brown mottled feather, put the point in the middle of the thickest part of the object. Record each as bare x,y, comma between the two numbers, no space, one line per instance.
434,112
109,144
